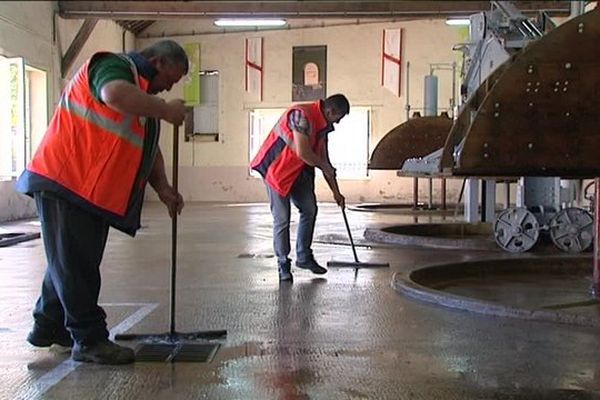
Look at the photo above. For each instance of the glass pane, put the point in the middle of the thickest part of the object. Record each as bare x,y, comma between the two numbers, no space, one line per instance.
12,117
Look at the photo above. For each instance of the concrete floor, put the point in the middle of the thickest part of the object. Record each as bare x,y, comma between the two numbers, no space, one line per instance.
334,337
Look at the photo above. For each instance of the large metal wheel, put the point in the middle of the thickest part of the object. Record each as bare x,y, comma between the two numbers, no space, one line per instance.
516,230
572,230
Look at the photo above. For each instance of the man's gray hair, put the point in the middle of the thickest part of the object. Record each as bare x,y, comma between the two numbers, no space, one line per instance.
170,50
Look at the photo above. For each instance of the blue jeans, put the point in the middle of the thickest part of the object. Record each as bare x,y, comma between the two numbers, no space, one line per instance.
74,242
303,197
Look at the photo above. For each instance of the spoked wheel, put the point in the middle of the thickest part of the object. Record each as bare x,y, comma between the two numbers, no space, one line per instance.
572,230
516,230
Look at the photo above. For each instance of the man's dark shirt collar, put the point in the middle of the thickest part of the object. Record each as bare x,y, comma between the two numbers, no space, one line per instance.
144,67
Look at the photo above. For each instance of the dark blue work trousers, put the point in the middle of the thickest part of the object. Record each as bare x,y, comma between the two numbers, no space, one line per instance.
74,241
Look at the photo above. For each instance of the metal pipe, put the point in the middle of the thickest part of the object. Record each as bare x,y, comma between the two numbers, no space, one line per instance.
483,200
443,194
415,193
528,32
534,28
407,90
430,102
595,289
453,92
443,67
460,196
430,204
577,8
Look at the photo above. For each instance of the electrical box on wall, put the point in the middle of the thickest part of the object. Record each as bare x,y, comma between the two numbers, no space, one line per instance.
202,120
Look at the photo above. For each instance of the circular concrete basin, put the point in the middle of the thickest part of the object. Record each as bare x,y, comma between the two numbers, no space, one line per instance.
538,288
476,236
397,208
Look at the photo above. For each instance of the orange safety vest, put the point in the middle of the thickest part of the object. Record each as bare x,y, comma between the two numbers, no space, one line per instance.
277,161
90,149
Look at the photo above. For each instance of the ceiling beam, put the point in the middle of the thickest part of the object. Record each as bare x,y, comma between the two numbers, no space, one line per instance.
155,10
76,45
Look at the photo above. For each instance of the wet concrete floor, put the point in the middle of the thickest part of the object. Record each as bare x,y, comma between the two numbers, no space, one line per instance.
329,337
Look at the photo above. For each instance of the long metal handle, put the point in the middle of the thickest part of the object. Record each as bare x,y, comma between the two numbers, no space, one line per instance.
349,234
175,183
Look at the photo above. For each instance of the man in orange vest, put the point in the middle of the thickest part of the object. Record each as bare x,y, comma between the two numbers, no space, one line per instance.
89,173
286,161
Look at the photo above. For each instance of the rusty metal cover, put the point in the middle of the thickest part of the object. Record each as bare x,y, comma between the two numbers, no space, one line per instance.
416,137
540,114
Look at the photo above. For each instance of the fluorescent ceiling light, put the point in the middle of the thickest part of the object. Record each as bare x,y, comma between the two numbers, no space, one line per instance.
458,21
249,22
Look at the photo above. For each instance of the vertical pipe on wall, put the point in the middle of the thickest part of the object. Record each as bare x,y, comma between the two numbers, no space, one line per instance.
407,90
430,96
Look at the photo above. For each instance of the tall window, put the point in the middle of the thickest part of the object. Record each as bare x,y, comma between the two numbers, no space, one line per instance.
23,113
348,144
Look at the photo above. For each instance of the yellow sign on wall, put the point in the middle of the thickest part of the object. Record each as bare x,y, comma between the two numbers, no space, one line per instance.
191,88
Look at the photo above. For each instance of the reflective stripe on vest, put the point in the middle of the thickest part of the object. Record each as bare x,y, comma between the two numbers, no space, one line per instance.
92,150
123,129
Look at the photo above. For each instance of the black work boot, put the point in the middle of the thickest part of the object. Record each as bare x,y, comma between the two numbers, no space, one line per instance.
44,337
311,265
285,273
103,352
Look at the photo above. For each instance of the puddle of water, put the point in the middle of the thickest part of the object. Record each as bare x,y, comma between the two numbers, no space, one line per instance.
250,255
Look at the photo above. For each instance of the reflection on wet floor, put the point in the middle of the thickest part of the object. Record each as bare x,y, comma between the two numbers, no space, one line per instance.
339,336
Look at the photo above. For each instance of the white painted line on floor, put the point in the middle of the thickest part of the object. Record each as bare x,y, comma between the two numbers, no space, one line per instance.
52,377
133,319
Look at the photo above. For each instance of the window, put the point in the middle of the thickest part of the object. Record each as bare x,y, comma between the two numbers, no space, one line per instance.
348,144
23,113
205,116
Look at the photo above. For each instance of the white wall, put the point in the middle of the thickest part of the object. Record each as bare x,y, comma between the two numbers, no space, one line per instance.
106,36
26,30
217,171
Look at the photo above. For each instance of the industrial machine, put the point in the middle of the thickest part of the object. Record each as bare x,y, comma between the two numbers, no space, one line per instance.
529,101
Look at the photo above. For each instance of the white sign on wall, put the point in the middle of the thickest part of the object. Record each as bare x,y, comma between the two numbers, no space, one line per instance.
391,60
254,66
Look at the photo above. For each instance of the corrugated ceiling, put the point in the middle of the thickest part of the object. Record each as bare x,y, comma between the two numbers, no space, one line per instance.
134,26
